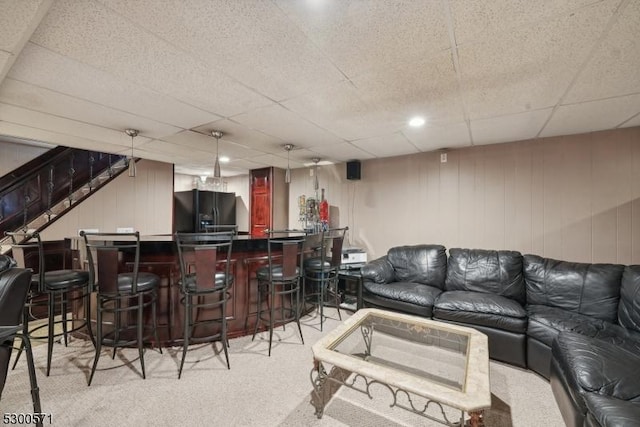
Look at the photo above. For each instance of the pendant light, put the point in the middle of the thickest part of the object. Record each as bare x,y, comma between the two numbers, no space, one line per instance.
216,166
132,162
287,174
316,184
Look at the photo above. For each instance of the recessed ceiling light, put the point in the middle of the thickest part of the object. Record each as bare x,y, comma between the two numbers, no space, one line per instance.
224,159
416,122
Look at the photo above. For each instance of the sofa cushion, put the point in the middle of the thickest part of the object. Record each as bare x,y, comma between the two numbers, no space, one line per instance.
610,411
408,292
426,264
545,323
589,289
629,308
479,270
597,366
483,309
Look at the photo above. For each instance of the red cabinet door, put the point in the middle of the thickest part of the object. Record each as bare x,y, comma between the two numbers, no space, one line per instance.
260,201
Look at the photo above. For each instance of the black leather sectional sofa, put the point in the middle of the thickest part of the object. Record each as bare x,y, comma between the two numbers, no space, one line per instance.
576,324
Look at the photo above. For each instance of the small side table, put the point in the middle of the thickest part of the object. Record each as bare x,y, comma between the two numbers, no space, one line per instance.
349,282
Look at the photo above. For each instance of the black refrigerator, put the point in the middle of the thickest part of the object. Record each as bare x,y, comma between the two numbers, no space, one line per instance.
194,210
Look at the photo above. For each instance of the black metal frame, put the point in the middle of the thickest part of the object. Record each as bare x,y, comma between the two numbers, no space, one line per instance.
201,279
281,280
321,274
56,296
105,275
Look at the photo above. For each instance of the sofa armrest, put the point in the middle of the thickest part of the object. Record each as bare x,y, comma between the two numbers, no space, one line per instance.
378,271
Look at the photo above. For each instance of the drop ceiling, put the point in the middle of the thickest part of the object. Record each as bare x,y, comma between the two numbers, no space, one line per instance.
338,79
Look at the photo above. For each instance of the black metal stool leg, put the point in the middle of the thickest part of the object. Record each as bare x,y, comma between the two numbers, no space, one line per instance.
98,341
187,330
35,391
271,314
297,312
140,332
50,312
154,312
87,314
63,309
25,332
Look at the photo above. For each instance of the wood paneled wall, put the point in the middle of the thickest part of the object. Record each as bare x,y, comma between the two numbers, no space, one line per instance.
572,197
144,203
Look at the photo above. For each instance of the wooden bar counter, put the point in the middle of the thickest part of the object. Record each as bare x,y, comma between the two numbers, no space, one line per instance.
158,255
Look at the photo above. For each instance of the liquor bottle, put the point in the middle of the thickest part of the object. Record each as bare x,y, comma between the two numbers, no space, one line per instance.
324,212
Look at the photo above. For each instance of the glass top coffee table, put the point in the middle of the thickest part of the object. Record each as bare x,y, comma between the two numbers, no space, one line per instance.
443,364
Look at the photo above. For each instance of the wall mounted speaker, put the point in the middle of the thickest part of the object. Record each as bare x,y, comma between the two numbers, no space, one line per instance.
353,169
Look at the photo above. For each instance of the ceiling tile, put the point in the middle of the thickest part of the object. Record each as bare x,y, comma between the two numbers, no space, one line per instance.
262,161
27,132
5,61
207,144
18,19
45,68
243,135
476,20
363,36
90,33
286,125
341,110
592,116
529,68
614,70
388,145
294,65
46,101
513,127
433,137
60,125
428,87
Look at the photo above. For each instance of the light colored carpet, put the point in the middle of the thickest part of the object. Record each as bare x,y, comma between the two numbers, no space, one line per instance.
257,391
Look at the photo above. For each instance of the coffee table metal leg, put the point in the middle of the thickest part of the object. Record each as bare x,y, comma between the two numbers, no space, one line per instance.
326,384
318,395
476,419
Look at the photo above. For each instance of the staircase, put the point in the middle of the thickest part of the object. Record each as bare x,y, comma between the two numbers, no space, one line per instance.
38,193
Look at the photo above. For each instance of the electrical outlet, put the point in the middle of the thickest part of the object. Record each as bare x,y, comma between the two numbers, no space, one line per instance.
124,230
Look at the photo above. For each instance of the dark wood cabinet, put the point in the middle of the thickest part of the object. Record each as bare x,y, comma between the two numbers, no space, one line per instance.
269,202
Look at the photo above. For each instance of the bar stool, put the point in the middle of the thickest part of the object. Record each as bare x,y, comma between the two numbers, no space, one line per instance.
321,272
120,292
59,288
205,279
280,279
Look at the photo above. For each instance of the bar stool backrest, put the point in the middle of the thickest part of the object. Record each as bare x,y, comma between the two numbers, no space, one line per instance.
334,242
105,258
25,246
199,253
290,243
